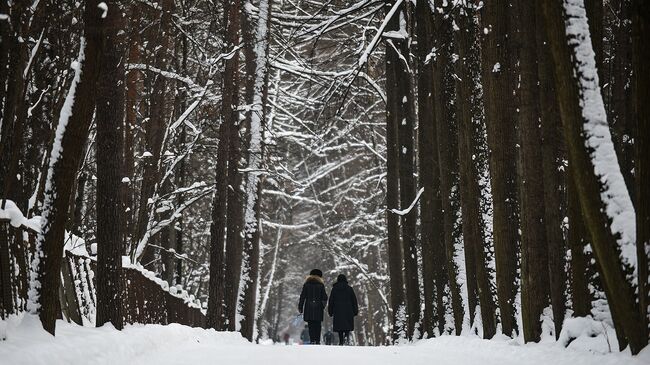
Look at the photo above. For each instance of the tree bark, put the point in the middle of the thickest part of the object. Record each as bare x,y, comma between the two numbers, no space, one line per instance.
571,83
110,115
257,38
534,247
429,170
497,77
394,247
554,179
72,132
447,151
580,296
234,226
641,28
407,184
469,120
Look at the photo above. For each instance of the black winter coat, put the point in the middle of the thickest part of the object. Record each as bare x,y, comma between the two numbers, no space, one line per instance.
343,306
313,299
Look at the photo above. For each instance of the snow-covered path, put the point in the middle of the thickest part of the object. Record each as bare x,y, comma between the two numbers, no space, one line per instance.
175,344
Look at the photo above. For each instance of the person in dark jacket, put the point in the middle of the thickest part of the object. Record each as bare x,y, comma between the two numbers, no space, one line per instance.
343,307
313,300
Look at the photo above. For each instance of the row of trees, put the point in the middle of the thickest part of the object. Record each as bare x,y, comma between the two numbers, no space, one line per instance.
454,159
518,166
168,108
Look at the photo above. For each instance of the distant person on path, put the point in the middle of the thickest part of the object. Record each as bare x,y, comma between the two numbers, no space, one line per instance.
313,300
343,307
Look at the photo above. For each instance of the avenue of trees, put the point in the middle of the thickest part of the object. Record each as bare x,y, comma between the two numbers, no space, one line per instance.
472,166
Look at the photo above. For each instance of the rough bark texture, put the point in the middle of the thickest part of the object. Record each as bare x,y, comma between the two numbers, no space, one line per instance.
447,151
110,114
499,115
44,299
641,29
429,170
577,240
394,247
251,231
554,179
407,183
620,294
225,239
534,250
235,220
215,314
469,119
133,87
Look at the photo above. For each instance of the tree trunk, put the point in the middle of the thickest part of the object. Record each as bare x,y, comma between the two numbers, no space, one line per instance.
234,227
405,114
215,315
469,121
133,87
641,28
534,250
110,107
429,170
257,46
71,134
577,86
554,179
447,151
394,247
580,296
497,77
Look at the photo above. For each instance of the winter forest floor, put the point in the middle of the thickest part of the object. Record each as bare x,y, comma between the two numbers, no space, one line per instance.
27,343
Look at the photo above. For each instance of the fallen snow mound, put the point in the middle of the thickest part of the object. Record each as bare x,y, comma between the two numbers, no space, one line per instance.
27,343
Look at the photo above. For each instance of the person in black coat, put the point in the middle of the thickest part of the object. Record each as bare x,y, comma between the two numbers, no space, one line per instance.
313,300
343,307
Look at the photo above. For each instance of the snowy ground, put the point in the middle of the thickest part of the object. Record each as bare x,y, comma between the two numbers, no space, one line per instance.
27,343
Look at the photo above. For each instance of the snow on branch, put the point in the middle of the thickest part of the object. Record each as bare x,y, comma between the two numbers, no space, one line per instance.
408,210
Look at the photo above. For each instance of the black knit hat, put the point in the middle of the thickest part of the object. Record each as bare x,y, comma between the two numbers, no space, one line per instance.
316,272
341,278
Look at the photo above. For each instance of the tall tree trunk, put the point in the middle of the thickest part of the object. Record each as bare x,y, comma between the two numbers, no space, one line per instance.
257,46
534,250
234,226
597,175
641,28
70,137
215,313
429,170
554,180
469,120
447,151
407,183
500,114
393,114
133,87
110,115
